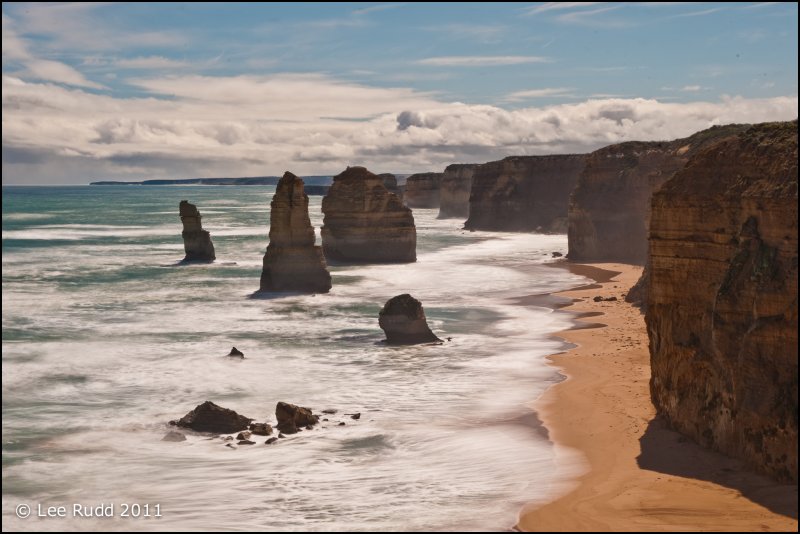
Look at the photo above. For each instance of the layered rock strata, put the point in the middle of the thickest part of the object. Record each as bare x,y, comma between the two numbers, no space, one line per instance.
292,262
523,193
403,321
422,190
722,309
609,210
454,191
196,241
364,223
390,181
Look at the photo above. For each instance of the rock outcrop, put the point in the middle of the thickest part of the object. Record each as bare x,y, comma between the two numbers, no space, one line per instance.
454,191
390,181
523,193
292,262
403,321
609,210
196,241
291,417
208,417
422,190
722,310
364,223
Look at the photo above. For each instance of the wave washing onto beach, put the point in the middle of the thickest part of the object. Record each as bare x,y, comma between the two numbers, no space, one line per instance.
105,339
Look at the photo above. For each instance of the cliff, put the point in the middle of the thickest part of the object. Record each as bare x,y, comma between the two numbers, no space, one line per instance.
196,241
523,193
422,190
609,210
292,262
722,310
454,190
364,223
390,182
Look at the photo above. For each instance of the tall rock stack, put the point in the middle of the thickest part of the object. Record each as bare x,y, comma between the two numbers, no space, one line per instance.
390,181
364,223
722,310
292,262
609,210
196,241
422,190
454,190
523,193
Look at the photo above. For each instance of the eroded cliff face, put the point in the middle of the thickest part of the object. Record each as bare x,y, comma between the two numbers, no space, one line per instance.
390,182
422,190
454,191
523,193
364,223
722,311
196,241
609,210
292,262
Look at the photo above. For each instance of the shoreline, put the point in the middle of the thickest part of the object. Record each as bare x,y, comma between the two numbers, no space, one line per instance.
639,474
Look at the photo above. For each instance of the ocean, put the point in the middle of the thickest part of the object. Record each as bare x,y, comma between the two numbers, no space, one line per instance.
106,338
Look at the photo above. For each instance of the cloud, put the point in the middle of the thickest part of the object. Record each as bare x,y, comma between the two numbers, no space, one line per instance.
149,62
549,92
481,32
378,7
480,61
697,13
694,88
558,6
236,126
589,18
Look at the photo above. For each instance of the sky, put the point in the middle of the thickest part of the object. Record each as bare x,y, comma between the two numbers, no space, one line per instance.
131,91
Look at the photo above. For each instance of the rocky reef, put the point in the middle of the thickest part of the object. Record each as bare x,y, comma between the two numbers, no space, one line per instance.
364,223
722,309
609,210
422,190
454,191
403,321
196,241
292,262
291,417
523,193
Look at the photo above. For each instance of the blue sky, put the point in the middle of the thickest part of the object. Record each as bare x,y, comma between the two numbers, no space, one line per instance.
129,91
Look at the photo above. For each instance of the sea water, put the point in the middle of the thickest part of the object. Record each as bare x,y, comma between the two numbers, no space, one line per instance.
106,339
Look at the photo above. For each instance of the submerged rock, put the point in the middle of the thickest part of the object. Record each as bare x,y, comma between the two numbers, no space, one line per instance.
403,321
174,435
292,262
208,417
292,418
196,241
270,441
364,223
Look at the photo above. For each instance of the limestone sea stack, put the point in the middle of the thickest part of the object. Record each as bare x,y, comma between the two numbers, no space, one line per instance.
292,262
422,190
196,241
454,190
403,321
523,193
364,223
722,309
609,210
390,181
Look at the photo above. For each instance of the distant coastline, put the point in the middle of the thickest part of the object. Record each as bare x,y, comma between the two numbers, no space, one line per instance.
246,180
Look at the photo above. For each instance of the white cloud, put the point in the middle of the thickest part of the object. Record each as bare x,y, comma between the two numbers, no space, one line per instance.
589,18
558,6
698,13
692,88
480,61
149,62
240,126
519,96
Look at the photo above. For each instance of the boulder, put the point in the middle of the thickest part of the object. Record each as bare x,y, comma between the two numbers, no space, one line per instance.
196,241
403,321
236,353
292,262
291,417
364,223
261,429
208,417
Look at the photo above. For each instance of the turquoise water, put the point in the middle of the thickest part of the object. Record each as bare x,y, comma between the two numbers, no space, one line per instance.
106,338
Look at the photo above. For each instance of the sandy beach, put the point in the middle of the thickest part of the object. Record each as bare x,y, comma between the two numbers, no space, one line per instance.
641,476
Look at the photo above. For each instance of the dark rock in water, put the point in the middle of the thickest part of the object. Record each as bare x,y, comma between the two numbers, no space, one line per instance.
292,418
196,241
246,442
292,262
309,427
230,445
243,435
364,223
172,435
342,423
557,254
329,411
208,417
261,429
324,419
270,441
236,353
280,435
356,416
403,321
227,438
